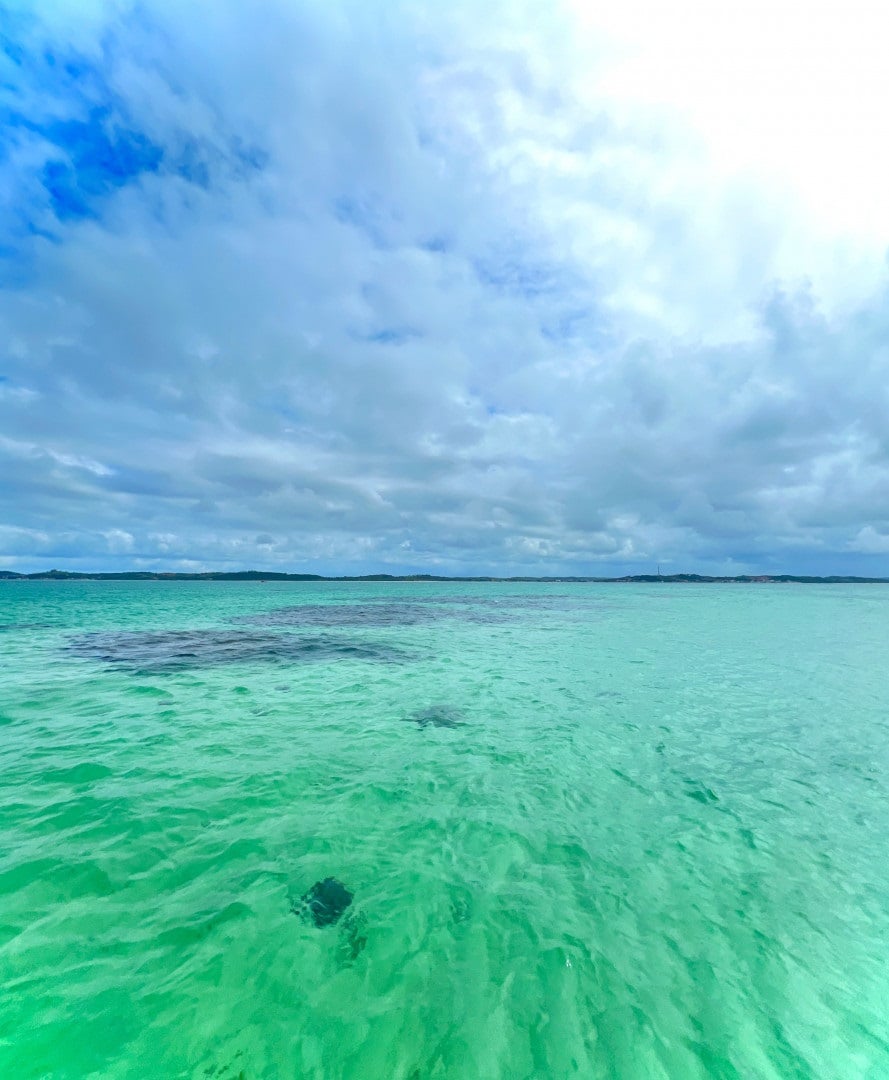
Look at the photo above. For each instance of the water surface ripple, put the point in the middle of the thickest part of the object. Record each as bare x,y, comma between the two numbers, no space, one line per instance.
595,831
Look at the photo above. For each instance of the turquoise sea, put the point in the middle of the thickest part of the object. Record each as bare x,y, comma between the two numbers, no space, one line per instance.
598,831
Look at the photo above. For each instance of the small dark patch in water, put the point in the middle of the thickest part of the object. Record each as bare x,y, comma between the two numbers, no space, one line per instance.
460,904
697,791
629,780
226,1072
162,651
324,903
87,772
445,716
354,939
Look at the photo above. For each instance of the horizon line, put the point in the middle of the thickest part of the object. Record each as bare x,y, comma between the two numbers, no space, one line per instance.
279,575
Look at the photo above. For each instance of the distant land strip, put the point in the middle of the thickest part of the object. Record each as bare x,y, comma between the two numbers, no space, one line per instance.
259,575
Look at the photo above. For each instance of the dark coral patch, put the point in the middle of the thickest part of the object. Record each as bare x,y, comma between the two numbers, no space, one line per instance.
162,651
324,903
442,716
373,616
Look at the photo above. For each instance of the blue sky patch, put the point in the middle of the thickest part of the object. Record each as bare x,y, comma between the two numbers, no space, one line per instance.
515,276
96,156
68,141
394,335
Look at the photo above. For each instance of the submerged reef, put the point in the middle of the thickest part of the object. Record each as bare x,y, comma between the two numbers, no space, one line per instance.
382,613
161,651
372,615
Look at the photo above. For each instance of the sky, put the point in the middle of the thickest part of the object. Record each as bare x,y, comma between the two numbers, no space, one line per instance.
504,287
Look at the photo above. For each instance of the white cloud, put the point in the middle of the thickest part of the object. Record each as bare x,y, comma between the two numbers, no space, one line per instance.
526,291
119,542
871,542
789,93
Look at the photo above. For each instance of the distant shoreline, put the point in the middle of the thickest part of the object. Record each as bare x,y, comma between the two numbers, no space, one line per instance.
259,576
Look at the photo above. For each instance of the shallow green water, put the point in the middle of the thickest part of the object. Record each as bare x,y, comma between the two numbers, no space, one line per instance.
594,831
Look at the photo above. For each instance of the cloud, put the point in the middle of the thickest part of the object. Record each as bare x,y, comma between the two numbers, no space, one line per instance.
361,288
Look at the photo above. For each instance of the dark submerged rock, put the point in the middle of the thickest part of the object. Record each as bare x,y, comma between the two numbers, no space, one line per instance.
324,903
443,716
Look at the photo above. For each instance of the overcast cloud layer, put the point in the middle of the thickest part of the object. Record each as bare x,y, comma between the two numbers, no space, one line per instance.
511,288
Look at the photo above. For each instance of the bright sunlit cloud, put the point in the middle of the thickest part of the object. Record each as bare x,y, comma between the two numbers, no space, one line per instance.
793,94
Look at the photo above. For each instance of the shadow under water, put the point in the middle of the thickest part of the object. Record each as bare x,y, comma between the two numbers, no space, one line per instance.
374,614
163,651
442,716
329,902
338,615
324,903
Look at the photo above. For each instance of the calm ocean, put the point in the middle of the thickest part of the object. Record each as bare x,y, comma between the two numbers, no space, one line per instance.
598,831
